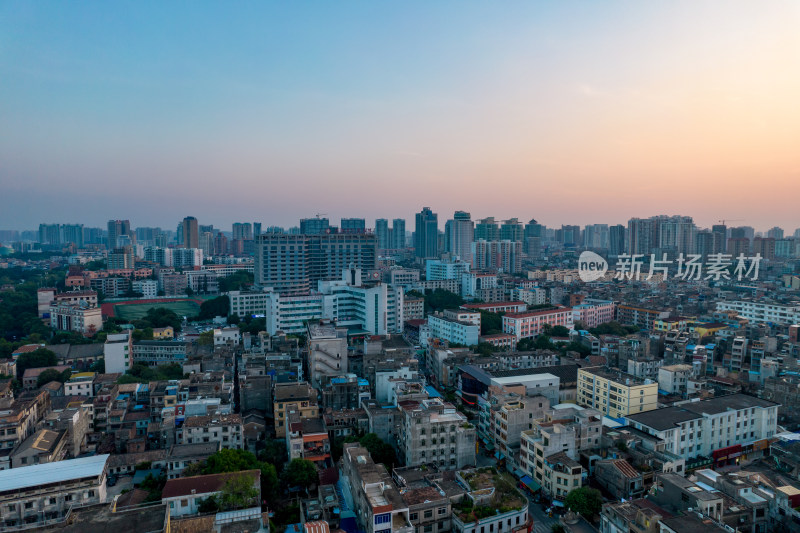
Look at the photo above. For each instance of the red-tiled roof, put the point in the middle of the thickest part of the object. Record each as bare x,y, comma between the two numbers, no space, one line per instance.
491,304
539,313
626,468
175,488
28,348
320,526
31,373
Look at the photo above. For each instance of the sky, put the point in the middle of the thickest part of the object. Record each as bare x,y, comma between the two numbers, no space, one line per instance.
566,112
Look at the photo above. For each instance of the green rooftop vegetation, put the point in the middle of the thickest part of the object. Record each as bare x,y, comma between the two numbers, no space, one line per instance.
491,493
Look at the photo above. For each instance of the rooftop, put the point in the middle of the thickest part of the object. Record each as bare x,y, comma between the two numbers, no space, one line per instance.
542,312
293,391
691,524
175,488
616,376
668,417
565,373
43,441
208,420
491,304
32,476
197,449
100,519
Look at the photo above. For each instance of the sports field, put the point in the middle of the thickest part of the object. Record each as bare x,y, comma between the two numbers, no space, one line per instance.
135,311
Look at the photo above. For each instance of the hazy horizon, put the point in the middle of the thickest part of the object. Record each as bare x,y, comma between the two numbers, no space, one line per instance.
272,112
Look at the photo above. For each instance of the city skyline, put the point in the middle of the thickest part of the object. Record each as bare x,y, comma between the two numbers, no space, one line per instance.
574,114
227,226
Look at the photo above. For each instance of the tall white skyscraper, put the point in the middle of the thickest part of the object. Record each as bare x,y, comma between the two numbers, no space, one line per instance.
459,235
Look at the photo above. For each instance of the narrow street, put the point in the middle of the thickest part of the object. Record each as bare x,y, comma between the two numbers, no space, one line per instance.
543,524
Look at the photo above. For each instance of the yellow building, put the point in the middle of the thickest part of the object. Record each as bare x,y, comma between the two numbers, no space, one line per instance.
709,329
289,398
616,393
163,333
672,324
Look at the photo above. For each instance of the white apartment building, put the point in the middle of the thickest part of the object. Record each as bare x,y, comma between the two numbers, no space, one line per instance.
230,335
436,269
80,384
223,271
147,287
77,318
248,303
327,351
453,331
374,307
549,451
289,314
532,296
616,393
473,282
674,379
434,432
377,308
118,352
473,317
226,430
158,255
32,494
403,276
723,428
187,257
763,312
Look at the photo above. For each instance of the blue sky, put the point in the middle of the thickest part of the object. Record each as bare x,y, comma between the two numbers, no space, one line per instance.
570,112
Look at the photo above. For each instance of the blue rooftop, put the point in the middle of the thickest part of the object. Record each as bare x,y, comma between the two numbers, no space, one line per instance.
432,392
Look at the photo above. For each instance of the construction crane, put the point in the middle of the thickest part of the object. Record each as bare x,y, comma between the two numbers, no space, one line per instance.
318,215
723,221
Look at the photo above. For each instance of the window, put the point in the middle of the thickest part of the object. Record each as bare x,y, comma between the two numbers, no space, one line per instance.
428,513
442,510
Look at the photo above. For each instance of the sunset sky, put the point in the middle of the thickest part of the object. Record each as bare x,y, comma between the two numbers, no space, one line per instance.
567,112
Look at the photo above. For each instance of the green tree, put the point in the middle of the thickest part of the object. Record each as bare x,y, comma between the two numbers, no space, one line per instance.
51,374
585,500
440,299
491,323
206,338
381,452
543,342
161,317
613,328
230,461
208,505
36,359
274,453
238,460
555,331
579,347
301,473
219,306
98,366
153,486
238,492
485,349
237,281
